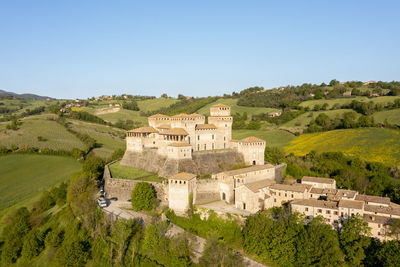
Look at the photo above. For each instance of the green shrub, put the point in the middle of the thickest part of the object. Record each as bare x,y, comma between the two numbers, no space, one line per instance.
143,197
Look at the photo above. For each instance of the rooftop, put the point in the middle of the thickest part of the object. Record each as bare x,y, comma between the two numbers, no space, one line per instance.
220,106
206,126
317,180
291,187
183,176
146,129
374,199
376,219
315,203
352,204
249,169
255,186
174,131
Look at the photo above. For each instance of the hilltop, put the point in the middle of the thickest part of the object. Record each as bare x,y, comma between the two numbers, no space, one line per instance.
24,96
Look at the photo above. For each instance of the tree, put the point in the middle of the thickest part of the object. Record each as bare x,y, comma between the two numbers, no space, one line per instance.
93,167
33,245
274,155
143,196
354,239
394,229
333,82
17,226
318,245
216,254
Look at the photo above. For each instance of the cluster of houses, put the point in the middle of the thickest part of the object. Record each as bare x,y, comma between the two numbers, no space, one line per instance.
254,189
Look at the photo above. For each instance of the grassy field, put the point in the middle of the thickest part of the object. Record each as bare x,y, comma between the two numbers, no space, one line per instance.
392,116
370,144
32,127
277,138
109,138
127,172
342,101
235,108
25,176
114,114
304,119
156,103
24,103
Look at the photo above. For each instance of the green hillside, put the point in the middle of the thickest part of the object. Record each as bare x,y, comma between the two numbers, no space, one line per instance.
26,176
108,138
114,114
155,103
234,107
392,116
278,138
56,136
304,119
347,100
370,144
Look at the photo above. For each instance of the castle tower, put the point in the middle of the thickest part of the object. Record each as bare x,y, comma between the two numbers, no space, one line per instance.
181,190
220,116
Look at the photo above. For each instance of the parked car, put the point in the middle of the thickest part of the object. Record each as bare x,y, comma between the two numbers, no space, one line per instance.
102,202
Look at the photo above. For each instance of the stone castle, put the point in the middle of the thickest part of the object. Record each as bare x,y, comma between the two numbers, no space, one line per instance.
182,147
178,137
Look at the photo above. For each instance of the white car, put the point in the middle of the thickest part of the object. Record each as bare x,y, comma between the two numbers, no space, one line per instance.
102,203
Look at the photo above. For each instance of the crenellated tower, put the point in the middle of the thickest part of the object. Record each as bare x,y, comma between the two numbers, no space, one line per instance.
220,116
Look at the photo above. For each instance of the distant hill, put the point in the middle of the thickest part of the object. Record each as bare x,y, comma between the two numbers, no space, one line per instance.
26,96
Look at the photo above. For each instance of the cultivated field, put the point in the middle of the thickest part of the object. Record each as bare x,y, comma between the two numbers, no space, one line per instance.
114,114
304,119
392,116
277,138
127,172
25,176
155,103
109,138
57,137
234,108
370,144
24,103
347,100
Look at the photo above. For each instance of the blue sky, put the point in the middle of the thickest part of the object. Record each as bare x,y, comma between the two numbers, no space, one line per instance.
79,49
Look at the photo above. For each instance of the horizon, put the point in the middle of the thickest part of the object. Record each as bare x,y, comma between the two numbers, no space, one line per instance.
80,50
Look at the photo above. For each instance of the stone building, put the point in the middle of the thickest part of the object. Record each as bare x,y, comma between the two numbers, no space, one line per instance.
177,137
181,190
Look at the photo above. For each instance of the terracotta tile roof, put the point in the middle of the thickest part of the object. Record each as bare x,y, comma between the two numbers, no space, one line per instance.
146,129
206,126
255,186
316,190
317,180
159,116
290,187
385,210
220,106
183,176
179,144
352,204
374,199
377,219
164,126
251,139
174,131
346,193
315,203
249,169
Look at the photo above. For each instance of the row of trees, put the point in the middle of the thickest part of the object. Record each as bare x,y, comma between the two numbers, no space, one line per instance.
280,237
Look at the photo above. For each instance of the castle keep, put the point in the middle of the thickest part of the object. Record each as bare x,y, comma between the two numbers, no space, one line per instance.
178,137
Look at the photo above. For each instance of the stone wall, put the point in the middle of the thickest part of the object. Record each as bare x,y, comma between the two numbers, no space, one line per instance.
203,162
122,189
207,190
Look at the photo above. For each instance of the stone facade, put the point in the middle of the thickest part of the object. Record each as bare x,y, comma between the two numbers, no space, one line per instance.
178,137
